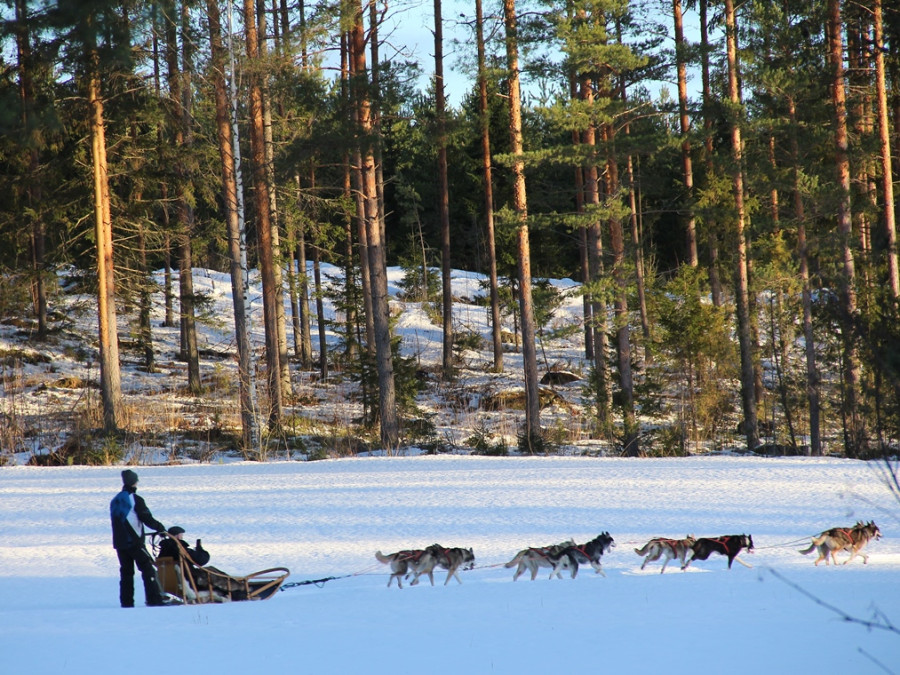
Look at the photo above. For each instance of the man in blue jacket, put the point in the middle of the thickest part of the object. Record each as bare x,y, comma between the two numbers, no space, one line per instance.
129,514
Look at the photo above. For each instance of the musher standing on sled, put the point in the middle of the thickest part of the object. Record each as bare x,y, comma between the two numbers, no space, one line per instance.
129,514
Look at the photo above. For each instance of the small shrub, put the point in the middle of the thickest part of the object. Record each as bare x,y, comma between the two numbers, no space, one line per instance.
483,443
467,341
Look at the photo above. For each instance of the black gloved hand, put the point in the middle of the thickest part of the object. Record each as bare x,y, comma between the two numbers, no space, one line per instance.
198,544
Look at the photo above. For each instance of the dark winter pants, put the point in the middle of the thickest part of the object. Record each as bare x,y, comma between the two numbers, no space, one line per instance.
128,558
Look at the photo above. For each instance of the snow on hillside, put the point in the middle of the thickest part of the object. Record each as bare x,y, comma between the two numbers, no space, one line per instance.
59,580
50,388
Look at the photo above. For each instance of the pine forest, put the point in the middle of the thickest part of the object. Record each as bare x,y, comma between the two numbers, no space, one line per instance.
716,179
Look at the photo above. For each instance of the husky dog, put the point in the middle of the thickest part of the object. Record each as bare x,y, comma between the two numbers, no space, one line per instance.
451,559
851,539
404,563
728,545
591,552
534,558
670,548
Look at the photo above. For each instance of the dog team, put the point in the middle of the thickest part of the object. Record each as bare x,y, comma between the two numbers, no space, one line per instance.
567,555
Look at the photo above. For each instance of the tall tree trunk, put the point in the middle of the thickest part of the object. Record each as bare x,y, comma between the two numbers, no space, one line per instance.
233,209
523,249
186,213
812,372
169,320
859,117
145,302
375,100
712,238
583,256
884,137
742,290
360,202
854,428
390,426
179,98
263,217
484,119
320,315
303,284
284,372
110,375
443,194
33,190
638,244
686,166
631,446
595,259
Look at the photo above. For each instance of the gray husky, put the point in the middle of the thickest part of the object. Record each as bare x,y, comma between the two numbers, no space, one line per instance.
404,563
451,559
533,558
852,539
670,548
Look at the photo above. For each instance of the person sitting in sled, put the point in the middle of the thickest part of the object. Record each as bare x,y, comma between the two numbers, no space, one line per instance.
169,547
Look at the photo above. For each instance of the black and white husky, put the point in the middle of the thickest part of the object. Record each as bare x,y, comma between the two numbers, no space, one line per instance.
591,552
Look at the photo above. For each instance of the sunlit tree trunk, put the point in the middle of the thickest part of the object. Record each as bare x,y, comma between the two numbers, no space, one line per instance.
390,427
855,431
359,200
263,219
523,249
884,137
280,317
110,374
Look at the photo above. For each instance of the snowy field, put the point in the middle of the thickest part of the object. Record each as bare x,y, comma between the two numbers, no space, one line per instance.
58,573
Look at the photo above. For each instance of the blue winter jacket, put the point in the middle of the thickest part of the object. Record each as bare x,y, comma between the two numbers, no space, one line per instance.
129,514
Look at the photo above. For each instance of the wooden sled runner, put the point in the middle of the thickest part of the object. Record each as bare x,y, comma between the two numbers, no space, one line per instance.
196,585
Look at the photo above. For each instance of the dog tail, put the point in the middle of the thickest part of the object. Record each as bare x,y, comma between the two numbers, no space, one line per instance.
382,558
514,561
644,549
809,550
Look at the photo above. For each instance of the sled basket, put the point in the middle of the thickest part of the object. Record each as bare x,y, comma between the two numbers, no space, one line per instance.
196,585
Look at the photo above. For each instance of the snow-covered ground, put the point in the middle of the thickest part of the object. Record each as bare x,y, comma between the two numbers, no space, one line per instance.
59,580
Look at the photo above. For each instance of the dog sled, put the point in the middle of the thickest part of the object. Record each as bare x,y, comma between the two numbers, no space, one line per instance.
190,584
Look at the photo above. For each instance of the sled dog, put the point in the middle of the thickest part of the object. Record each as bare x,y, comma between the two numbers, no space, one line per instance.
852,539
591,552
404,563
670,548
533,558
451,559
728,545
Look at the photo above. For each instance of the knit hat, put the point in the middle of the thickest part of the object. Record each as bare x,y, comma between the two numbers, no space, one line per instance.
175,530
129,478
